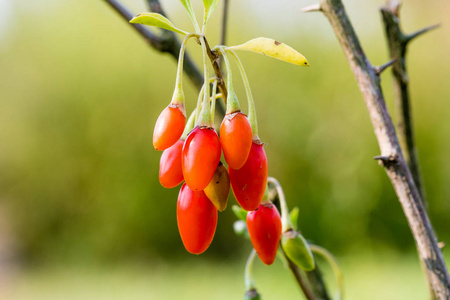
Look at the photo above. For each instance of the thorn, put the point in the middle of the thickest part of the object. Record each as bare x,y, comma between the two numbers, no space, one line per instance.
379,69
441,245
311,8
386,160
410,37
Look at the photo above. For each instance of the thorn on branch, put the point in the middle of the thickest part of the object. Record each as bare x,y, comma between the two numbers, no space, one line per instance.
441,245
311,8
386,160
379,69
410,37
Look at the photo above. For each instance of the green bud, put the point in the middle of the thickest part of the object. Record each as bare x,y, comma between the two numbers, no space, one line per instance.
240,228
297,249
252,295
239,212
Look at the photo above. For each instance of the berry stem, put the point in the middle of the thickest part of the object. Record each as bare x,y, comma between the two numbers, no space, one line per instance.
251,103
204,119
189,124
334,266
249,283
178,93
285,218
213,101
232,101
199,103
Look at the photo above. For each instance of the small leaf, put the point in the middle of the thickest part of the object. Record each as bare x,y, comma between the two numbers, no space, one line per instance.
154,19
209,6
272,48
188,6
294,217
239,212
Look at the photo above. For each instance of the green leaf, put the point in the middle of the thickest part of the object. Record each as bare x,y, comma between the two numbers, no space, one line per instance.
239,212
294,217
157,20
297,249
209,6
272,48
188,6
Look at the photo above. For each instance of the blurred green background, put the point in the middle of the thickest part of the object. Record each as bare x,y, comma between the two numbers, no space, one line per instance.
82,214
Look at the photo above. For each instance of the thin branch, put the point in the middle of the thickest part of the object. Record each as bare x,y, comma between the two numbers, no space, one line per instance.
313,286
397,42
398,171
223,30
302,282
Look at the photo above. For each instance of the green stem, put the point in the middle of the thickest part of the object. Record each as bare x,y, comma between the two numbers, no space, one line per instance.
189,124
205,113
249,283
199,103
232,101
251,103
285,218
178,94
334,266
213,101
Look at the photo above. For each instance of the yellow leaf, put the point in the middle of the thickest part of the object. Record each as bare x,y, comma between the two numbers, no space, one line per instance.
272,48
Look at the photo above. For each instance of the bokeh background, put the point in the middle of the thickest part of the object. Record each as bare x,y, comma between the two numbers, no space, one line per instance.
82,214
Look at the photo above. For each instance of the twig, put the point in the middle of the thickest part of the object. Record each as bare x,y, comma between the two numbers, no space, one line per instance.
223,30
313,285
397,42
398,172
302,282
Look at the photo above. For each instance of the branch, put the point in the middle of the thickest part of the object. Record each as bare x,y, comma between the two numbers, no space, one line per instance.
398,171
167,42
397,42
313,286
306,288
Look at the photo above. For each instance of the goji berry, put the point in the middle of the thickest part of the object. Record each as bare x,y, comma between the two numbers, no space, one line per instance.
196,218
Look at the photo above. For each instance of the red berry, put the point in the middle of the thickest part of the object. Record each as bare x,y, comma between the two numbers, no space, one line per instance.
249,182
200,157
170,172
169,127
264,228
236,139
197,220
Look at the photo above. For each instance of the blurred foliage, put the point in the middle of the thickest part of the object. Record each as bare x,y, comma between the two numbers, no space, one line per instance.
80,93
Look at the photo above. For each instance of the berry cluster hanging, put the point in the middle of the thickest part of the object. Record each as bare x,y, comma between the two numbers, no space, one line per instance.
193,149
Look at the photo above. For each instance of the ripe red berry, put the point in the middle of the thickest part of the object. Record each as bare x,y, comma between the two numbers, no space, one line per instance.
170,172
264,228
249,182
169,127
200,157
197,220
236,139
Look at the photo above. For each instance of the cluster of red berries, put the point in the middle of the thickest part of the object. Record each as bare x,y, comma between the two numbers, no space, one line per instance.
196,160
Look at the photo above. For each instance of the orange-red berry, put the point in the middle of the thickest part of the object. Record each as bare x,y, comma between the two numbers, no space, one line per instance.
200,157
249,182
196,219
170,172
264,228
169,127
236,139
